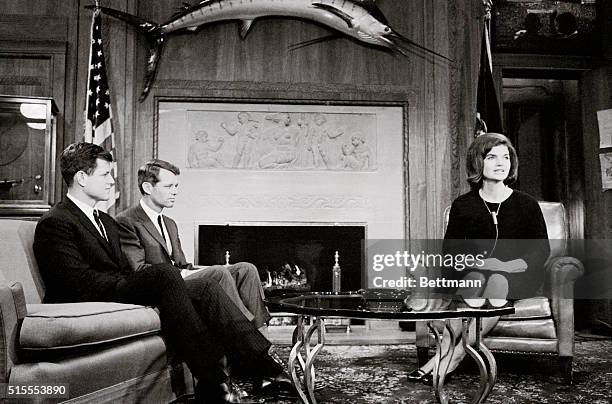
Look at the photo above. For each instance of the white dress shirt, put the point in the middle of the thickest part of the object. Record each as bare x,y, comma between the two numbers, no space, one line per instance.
153,217
88,210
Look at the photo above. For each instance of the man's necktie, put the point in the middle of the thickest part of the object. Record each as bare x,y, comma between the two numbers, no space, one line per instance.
161,229
99,223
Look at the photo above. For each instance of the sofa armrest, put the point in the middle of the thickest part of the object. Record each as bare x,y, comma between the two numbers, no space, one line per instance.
562,274
12,311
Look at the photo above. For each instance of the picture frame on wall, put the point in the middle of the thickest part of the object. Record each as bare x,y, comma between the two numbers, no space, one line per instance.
557,27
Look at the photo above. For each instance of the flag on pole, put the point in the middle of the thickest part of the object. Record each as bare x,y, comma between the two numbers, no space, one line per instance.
488,114
98,112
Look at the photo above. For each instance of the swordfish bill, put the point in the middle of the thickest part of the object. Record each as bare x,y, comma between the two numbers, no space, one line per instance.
358,19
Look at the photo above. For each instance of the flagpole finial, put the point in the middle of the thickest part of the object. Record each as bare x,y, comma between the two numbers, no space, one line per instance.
488,6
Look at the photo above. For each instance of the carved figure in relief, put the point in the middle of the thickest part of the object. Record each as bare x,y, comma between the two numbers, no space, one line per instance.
282,140
356,155
203,153
245,130
327,155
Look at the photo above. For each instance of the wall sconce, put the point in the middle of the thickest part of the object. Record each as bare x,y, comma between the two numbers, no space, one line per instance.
35,112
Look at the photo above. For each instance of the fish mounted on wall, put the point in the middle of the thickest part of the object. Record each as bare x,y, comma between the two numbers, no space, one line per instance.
358,19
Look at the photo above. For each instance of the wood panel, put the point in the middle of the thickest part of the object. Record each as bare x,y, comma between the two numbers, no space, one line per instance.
36,68
598,206
215,62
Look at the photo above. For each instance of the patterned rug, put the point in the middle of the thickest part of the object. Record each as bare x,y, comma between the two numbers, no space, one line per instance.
377,374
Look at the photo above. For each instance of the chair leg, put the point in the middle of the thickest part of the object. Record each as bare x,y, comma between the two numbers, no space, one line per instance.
422,355
566,368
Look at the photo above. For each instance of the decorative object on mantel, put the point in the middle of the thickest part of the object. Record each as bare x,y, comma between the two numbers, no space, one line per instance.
337,275
358,19
227,258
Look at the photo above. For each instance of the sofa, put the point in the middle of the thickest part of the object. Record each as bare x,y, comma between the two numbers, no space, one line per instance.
542,325
100,351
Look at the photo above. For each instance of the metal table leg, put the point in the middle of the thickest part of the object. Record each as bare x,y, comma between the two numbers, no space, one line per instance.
438,373
484,359
305,387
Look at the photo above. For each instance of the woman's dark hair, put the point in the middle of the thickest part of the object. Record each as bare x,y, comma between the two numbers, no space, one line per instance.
478,150
149,172
81,157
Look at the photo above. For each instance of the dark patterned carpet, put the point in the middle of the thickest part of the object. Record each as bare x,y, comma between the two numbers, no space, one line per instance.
376,374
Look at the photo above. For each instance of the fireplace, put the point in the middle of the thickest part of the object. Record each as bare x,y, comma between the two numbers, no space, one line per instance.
289,253
294,213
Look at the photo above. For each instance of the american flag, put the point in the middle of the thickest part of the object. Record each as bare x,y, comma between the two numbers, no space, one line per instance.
98,113
487,107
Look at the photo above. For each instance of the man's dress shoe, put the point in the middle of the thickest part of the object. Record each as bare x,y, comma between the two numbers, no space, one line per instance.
272,385
273,377
223,393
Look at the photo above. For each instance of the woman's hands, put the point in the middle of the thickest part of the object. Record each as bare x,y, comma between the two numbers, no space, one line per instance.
513,266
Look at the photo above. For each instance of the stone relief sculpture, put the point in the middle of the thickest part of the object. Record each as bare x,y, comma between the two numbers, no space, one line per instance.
203,153
356,155
245,130
282,140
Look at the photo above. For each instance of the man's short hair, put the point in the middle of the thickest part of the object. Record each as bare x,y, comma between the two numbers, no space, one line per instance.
478,150
149,172
81,157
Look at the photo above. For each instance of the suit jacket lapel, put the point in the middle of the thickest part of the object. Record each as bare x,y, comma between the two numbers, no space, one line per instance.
173,235
84,220
148,224
113,236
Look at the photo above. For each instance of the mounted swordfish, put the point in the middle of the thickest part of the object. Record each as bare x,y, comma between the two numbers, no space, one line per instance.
359,19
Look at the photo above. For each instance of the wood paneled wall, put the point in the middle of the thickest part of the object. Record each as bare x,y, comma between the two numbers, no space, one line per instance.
215,62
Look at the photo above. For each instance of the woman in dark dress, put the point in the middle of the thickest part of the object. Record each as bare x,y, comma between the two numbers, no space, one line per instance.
506,226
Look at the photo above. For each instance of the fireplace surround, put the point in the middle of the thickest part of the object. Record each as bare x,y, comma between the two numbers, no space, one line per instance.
287,166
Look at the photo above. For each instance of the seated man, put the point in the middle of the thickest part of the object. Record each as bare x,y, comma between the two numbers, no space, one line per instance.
80,259
148,237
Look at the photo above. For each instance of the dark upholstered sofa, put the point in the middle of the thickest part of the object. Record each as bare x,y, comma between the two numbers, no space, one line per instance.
102,352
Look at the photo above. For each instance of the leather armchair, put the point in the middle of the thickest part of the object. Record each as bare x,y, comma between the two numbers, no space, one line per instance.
540,326
102,352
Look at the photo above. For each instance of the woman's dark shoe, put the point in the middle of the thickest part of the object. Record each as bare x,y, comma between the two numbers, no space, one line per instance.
418,376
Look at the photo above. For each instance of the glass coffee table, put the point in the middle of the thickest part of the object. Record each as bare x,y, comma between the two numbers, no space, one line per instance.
354,305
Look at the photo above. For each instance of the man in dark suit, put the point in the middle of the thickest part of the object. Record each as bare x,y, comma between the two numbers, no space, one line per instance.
148,237
80,259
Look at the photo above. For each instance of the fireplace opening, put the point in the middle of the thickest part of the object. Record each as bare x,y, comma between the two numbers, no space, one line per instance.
288,255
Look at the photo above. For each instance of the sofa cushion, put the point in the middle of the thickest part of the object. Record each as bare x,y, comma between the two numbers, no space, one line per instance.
514,344
537,328
77,325
109,366
529,309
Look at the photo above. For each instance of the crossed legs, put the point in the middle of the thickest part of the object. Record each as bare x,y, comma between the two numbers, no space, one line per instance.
495,287
242,284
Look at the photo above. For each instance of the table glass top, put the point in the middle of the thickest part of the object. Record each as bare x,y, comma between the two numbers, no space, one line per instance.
372,305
